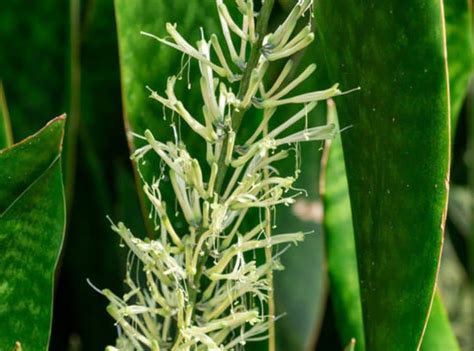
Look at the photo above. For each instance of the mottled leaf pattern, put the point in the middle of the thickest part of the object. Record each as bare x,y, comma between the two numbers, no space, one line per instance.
32,220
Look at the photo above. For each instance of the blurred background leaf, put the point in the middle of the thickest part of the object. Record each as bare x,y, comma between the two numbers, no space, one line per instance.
456,278
92,251
32,64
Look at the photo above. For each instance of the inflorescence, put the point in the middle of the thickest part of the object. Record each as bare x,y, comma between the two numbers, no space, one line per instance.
203,291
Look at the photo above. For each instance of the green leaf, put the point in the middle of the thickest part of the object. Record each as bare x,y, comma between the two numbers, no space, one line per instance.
6,138
144,61
460,53
397,154
32,221
439,335
342,260
340,245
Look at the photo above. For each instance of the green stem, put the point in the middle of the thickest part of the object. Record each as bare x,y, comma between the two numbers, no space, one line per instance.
268,258
237,115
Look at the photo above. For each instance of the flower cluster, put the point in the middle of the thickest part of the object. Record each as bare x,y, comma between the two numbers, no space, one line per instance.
200,290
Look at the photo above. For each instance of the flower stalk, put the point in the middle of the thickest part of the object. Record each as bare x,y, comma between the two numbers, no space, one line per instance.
200,287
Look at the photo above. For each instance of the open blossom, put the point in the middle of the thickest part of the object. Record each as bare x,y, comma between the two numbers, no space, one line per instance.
199,289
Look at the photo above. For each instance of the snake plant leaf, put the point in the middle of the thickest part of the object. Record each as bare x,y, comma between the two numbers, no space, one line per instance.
6,138
32,222
396,154
458,15
340,245
342,260
145,62
439,335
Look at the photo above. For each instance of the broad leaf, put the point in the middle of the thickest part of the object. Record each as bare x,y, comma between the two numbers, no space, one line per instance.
342,261
397,155
32,220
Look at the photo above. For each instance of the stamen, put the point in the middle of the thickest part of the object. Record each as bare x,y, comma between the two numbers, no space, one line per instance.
281,78
297,81
304,98
287,51
224,12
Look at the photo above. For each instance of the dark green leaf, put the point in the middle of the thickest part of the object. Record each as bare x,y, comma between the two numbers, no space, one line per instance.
32,63
342,261
79,310
32,220
397,154
144,61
